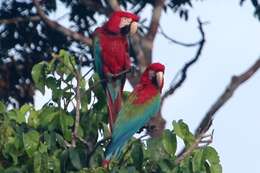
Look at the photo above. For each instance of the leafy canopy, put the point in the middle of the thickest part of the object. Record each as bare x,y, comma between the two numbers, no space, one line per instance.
40,140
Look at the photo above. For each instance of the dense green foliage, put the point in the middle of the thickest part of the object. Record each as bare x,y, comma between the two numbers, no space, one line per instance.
26,43
40,141
23,44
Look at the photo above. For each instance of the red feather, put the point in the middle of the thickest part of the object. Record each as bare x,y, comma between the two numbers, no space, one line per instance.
114,56
150,91
113,108
113,23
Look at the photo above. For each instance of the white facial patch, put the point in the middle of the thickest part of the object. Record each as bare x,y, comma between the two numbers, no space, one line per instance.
125,21
151,74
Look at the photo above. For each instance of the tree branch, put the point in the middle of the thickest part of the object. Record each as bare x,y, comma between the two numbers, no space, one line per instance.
96,6
78,103
184,70
185,153
175,41
157,10
19,19
206,123
56,26
114,5
235,82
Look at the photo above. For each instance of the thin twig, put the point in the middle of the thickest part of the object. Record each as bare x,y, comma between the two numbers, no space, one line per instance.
87,72
175,41
194,146
184,70
20,19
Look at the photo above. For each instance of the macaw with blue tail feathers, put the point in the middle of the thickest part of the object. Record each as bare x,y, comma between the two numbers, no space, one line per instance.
142,104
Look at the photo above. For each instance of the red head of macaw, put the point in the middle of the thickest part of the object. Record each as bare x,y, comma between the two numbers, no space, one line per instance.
142,104
111,57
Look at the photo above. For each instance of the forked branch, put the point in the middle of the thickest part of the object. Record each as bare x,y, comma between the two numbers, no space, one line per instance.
206,122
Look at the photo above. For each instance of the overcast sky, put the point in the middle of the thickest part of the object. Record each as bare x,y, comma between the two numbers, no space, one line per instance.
232,45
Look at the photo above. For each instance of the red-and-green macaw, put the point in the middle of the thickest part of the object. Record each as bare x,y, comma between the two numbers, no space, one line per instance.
110,51
141,105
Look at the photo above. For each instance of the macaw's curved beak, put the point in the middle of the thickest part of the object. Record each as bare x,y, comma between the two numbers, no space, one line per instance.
159,79
133,28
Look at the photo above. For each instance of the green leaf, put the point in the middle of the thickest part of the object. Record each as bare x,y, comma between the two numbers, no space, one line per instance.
207,167
64,158
47,115
153,143
57,94
51,83
34,120
12,170
68,62
54,164
43,148
182,130
197,161
25,108
96,158
37,163
66,122
31,142
74,158
169,142
22,112
38,75
85,100
16,115
137,154
216,168
210,155
2,107
40,162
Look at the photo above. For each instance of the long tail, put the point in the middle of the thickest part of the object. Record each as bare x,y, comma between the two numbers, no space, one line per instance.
114,100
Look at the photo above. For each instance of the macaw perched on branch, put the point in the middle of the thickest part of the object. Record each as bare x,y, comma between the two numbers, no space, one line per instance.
110,51
142,104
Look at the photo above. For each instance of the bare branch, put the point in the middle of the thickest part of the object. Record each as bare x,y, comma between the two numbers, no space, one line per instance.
56,26
184,70
19,19
157,10
236,81
177,42
206,123
114,5
97,6
194,146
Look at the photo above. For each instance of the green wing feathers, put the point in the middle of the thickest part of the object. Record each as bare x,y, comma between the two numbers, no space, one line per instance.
130,119
97,57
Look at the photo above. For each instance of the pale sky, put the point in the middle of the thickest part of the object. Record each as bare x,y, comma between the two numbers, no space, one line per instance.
232,45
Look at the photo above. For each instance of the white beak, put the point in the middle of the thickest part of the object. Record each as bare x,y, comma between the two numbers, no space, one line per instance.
133,28
159,79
